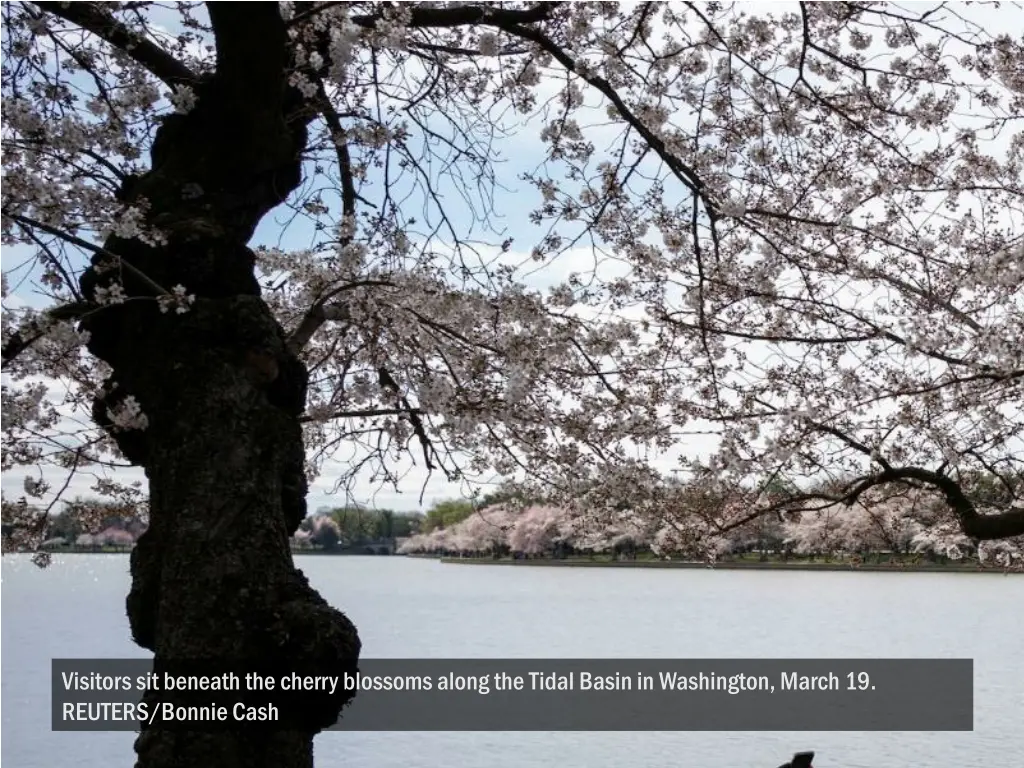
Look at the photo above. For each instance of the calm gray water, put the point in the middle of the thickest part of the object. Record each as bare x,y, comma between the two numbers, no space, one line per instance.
409,608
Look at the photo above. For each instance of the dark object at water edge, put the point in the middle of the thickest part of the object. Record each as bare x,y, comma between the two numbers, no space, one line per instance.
800,760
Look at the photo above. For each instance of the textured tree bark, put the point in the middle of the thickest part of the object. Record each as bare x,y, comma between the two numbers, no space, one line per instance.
213,577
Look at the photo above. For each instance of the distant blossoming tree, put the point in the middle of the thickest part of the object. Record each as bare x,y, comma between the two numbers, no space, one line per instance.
538,529
487,530
324,532
802,234
114,537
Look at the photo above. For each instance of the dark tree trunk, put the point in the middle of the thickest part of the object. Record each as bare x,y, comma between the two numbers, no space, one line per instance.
213,577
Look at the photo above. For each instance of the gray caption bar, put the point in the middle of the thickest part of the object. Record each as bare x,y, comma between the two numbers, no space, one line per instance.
577,695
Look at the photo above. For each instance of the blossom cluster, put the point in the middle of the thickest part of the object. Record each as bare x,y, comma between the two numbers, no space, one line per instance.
764,242
904,526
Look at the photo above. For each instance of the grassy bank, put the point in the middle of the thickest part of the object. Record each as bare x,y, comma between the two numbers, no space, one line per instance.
737,565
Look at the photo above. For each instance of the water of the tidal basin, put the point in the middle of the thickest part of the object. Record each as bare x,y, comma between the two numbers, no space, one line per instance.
413,608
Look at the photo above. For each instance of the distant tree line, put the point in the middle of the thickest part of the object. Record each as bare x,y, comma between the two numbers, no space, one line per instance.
355,526
80,524
893,521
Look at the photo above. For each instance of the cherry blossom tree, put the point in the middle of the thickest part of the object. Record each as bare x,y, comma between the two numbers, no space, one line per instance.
324,532
440,541
487,530
538,529
114,537
801,235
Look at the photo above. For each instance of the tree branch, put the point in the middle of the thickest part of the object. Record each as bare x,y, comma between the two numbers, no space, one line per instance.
322,311
366,414
981,527
18,343
463,15
87,246
91,18
686,175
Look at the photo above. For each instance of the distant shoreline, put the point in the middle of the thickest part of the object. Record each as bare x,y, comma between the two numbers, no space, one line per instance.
727,565
128,551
